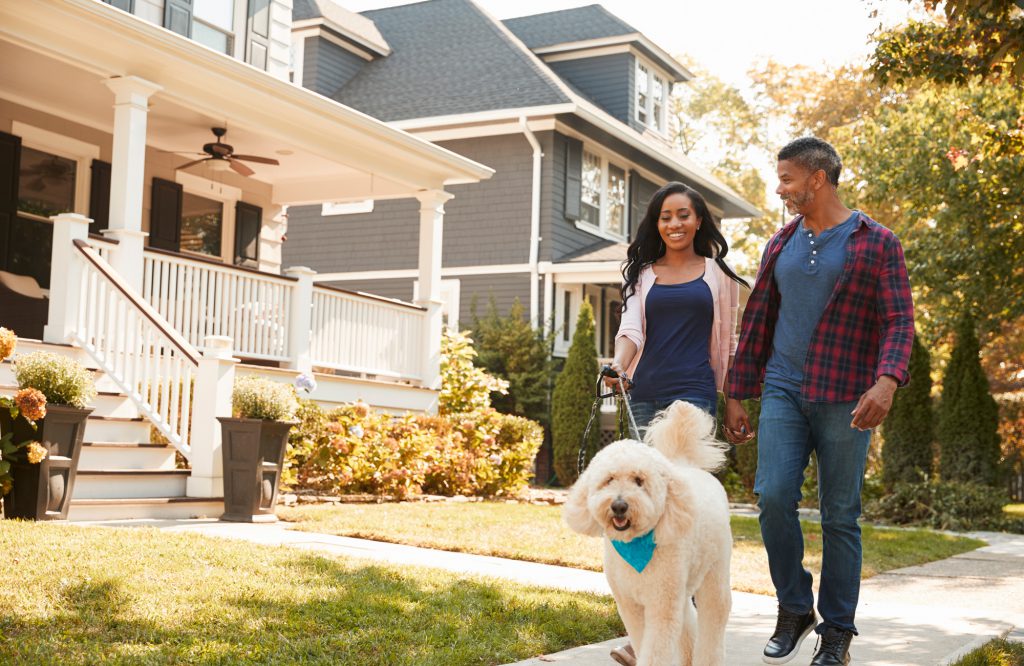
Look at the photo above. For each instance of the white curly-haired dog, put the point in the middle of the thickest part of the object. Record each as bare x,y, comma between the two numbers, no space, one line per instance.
630,491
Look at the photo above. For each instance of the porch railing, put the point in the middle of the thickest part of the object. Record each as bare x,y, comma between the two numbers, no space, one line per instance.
136,347
200,298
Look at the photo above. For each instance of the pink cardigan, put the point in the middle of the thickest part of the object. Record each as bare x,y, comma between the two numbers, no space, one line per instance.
726,295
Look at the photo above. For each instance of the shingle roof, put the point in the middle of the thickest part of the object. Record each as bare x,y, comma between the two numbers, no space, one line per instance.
604,250
346,23
448,57
568,25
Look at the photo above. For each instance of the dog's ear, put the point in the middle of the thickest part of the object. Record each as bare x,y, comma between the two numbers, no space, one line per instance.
677,517
576,513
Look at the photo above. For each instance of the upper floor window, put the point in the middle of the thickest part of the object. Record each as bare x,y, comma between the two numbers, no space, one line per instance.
651,97
603,193
213,24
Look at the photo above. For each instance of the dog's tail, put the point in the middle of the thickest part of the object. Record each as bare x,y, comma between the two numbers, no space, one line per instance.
686,433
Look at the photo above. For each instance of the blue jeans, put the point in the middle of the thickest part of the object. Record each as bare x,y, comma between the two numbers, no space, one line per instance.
788,430
645,410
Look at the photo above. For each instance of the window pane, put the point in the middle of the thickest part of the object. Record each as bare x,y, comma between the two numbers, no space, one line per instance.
616,200
211,37
201,222
590,210
46,185
658,96
218,12
641,92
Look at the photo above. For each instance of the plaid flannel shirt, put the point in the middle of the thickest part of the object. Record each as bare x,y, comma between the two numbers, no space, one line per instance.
866,330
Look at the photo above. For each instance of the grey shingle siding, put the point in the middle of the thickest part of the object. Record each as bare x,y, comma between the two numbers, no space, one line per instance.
604,80
392,288
327,67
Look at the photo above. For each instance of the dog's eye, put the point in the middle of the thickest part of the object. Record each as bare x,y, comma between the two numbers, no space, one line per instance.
607,481
639,480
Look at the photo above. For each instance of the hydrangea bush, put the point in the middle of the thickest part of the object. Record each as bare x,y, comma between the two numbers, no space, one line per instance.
28,403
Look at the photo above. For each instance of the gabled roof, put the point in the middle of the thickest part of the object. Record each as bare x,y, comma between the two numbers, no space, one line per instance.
350,25
448,57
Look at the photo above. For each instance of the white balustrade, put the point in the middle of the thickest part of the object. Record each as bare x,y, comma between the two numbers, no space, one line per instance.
366,334
199,298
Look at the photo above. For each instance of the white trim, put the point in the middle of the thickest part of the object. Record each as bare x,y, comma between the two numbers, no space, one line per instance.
228,195
476,131
329,208
600,233
564,330
80,152
653,73
678,73
594,52
406,273
450,296
602,228
410,124
298,63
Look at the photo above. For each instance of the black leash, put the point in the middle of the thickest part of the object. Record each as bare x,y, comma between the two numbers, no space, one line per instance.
621,396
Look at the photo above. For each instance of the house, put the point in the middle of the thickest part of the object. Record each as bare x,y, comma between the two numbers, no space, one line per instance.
148,151
569,107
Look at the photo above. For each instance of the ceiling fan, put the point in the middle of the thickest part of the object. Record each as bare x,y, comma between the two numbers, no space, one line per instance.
223,152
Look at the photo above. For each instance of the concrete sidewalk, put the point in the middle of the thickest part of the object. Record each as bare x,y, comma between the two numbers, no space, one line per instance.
926,615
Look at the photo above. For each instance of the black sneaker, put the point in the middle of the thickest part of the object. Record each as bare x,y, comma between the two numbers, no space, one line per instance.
790,631
833,648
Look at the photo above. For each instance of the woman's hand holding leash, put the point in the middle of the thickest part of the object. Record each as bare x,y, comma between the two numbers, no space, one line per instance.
612,372
737,426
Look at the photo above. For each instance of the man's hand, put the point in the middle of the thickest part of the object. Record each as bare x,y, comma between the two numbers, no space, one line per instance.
874,405
737,425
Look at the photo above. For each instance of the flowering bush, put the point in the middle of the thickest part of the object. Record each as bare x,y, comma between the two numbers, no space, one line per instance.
255,397
28,403
464,387
63,380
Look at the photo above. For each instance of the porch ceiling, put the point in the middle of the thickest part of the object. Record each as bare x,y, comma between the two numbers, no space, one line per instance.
57,56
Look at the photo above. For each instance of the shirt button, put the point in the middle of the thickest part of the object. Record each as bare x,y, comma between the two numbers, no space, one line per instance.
812,242
812,261
814,252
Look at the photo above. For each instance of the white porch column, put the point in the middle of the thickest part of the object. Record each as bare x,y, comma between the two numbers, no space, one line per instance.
212,398
431,235
128,166
300,319
65,276
549,303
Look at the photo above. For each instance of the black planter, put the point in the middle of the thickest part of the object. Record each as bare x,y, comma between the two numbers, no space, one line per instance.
43,491
253,453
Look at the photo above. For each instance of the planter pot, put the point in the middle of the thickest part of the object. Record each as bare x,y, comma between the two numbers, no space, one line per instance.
43,491
253,453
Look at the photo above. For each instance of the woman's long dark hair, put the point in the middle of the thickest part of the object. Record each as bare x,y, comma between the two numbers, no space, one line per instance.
648,247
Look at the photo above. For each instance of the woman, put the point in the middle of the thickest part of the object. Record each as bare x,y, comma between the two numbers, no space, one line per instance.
677,334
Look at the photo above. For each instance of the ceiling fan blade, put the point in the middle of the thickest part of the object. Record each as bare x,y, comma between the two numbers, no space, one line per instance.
238,167
193,163
254,158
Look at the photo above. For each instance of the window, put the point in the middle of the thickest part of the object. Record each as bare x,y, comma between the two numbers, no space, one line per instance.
603,195
46,184
202,223
213,24
651,97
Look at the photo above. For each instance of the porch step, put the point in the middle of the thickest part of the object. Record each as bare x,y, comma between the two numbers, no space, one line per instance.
126,455
100,379
106,403
155,508
130,483
100,428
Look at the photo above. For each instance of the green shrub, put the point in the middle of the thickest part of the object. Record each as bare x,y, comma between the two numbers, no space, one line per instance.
909,429
573,398
968,429
464,387
63,380
945,505
255,397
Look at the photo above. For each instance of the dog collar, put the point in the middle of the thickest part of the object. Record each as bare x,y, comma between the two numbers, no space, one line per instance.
638,552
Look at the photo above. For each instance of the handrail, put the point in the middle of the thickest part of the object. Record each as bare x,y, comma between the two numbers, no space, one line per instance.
175,338
372,297
219,264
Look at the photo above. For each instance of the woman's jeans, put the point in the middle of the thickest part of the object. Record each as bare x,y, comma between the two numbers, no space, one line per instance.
788,430
645,410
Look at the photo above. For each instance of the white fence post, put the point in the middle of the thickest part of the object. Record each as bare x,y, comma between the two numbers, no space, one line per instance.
65,276
214,381
300,319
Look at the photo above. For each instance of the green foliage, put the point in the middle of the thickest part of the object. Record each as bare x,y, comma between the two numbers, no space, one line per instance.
255,397
510,349
464,387
743,457
909,429
968,415
998,652
573,398
63,380
946,506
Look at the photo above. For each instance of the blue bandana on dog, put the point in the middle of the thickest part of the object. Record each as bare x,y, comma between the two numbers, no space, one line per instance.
637,552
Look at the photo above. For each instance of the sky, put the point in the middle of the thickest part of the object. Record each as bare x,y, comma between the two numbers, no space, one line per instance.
726,37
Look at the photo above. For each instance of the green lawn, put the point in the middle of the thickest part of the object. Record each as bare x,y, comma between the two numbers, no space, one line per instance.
995,653
75,595
536,533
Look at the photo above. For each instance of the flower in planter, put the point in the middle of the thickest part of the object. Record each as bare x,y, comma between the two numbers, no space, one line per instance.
32,403
63,380
256,397
35,452
8,340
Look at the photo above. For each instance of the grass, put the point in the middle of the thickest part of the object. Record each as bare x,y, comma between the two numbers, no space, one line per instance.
75,595
994,653
536,533
1014,510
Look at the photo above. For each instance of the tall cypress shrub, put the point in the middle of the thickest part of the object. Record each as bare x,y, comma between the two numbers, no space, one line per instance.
968,415
573,398
909,430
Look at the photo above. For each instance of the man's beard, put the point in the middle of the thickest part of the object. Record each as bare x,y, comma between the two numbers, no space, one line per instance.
796,203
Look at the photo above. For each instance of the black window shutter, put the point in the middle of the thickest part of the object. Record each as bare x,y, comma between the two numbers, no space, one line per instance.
99,197
10,160
126,5
248,220
636,210
165,215
178,16
257,33
573,178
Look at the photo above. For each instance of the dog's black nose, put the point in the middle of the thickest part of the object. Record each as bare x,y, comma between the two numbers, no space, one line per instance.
620,507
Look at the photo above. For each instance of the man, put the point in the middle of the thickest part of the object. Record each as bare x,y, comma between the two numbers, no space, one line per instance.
827,330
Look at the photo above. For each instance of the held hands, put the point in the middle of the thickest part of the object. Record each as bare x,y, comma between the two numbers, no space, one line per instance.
737,425
874,405
612,372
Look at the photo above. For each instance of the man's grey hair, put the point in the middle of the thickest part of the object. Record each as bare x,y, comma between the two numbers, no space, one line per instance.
812,154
